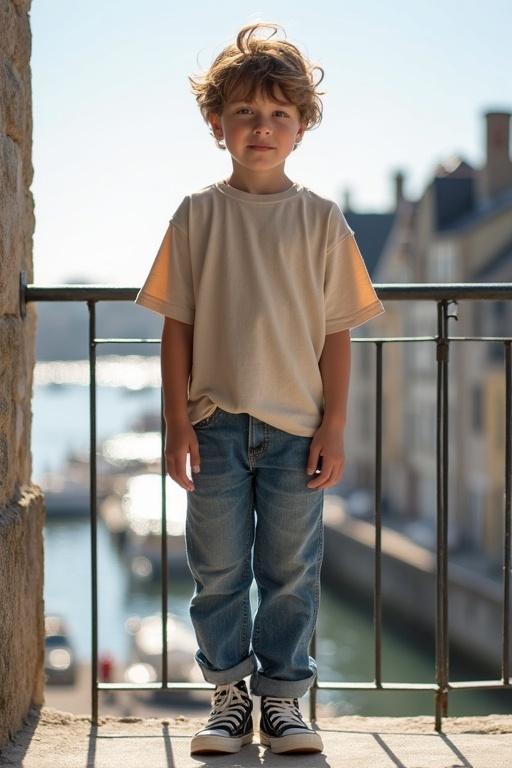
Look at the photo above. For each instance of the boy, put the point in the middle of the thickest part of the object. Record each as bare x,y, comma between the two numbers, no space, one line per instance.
260,280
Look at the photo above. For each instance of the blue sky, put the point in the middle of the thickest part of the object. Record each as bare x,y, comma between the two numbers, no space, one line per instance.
118,139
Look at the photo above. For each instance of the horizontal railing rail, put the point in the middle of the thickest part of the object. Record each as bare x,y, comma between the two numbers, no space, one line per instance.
446,296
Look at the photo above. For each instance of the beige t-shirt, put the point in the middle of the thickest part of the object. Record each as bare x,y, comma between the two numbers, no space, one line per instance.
263,278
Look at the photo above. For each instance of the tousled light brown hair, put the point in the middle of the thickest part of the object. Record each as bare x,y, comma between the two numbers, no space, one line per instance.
253,64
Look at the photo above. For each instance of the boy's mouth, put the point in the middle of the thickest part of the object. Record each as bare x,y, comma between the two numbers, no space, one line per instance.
259,146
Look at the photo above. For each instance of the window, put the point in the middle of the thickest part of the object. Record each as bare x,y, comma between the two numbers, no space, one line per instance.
442,266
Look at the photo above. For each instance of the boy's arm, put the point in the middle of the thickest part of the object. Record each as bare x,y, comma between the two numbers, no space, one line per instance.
335,370
180,439
176,362
327,441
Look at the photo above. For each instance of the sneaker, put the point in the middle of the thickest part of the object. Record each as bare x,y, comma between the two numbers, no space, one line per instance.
283,729
229,724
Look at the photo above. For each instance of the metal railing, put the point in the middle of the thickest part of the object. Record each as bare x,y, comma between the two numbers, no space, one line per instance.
444,295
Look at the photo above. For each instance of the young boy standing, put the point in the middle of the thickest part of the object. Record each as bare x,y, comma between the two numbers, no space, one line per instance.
260,280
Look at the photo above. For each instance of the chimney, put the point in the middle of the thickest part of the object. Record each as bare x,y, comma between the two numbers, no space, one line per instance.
496,174
346,200
398,178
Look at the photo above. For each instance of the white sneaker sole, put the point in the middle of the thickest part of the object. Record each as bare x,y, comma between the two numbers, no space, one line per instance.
206,743
295,742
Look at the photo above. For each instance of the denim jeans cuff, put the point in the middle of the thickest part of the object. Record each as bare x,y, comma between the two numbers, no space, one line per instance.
282,689
231,675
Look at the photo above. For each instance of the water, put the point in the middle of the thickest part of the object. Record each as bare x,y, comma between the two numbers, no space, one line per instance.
345,631
61,419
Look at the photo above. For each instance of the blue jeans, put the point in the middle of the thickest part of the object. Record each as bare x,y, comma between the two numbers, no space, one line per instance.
250,466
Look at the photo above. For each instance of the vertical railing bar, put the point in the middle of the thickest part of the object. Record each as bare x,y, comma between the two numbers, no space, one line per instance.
93,511
439,505
505,670
441,500
377,602
444,558
163,554
314,688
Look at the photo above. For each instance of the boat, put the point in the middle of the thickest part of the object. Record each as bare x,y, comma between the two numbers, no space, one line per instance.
67,489
141,507
145,654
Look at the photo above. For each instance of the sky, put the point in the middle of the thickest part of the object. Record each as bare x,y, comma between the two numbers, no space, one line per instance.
118,139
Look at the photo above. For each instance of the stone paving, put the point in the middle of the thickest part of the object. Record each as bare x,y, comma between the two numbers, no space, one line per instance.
54,739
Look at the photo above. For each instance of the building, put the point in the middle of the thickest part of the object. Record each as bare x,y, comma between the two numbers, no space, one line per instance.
459,230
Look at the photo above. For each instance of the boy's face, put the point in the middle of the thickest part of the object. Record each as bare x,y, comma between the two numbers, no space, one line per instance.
264,122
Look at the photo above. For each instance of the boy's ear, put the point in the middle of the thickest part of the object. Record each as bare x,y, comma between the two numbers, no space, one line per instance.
300,133
214,120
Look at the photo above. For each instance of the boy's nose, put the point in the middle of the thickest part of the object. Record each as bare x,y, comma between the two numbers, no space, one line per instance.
261,125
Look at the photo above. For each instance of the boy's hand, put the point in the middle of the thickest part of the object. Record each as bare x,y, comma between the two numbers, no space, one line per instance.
181,439
328,451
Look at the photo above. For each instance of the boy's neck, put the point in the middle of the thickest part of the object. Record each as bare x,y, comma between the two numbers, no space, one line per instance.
259,185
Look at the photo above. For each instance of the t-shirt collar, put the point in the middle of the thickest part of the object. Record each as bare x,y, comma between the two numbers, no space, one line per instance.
226,189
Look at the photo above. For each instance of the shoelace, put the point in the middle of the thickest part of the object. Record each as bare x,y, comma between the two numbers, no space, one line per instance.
226,697
284,712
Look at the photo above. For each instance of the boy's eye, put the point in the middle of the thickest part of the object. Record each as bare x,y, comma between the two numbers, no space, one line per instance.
242,109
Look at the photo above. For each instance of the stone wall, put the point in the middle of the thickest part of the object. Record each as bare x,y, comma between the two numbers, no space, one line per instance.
21,504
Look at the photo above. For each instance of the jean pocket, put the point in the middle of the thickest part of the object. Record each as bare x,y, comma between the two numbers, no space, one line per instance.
209,420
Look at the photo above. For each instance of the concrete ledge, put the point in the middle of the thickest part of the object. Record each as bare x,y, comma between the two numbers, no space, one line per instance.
54,739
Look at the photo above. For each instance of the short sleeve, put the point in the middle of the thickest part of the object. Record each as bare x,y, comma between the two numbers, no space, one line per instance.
350,298
168,289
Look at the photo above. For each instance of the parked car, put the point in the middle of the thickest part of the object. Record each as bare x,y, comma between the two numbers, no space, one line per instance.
60,663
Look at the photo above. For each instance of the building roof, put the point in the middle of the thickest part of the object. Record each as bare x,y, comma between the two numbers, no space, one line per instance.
454,199
371,232
481,211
